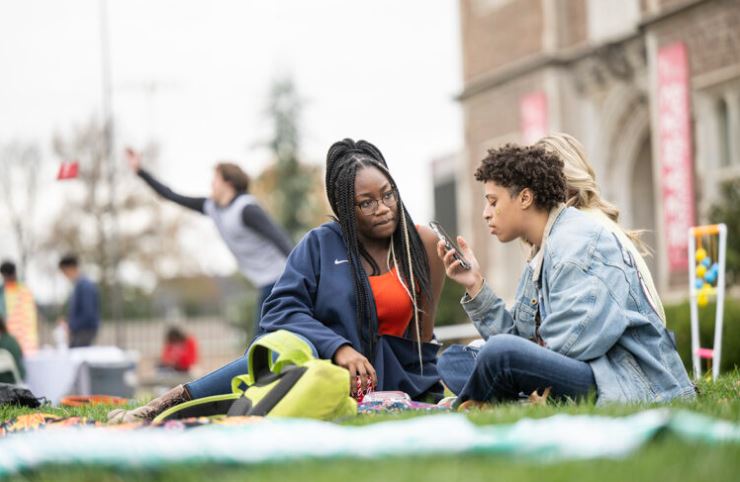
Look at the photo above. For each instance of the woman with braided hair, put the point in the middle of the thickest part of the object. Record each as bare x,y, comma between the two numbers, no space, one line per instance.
362,289
383,279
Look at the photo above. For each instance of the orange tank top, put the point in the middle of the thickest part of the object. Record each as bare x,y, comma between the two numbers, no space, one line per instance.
392,304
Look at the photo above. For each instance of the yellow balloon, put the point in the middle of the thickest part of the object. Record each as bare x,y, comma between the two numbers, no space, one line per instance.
701,253
701,270
702,300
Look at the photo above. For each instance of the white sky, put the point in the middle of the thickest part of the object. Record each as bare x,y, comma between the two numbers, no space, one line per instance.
385,71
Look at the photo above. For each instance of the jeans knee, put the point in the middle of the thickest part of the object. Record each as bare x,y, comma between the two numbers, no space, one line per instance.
500,351
444,359
450,355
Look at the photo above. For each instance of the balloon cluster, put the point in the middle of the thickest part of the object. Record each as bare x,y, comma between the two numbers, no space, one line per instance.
707,273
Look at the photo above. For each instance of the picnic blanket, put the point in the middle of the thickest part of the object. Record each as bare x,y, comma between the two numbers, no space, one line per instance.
560,437
47,421
394,406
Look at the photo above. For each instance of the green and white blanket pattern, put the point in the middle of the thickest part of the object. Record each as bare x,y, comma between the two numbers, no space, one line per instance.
559,437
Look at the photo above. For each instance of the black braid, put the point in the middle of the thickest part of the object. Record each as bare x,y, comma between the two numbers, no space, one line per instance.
373,265
345,212
343,161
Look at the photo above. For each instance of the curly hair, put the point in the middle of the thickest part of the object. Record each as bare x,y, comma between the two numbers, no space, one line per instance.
516,168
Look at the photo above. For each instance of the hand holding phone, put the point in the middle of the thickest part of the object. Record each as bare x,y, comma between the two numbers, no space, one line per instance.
449,244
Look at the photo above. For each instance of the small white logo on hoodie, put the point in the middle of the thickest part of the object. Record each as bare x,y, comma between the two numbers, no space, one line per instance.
340,261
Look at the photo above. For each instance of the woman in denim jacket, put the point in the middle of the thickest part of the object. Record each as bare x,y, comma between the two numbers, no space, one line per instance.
582,320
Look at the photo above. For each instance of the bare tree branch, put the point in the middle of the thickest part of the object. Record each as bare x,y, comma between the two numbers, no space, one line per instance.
19,166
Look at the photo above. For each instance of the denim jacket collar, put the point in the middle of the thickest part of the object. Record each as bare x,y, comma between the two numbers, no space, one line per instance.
538,255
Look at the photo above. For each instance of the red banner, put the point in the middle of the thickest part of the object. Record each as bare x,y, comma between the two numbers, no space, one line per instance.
533,116
675,152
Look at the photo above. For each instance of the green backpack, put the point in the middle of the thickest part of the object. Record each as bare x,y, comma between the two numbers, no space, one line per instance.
284,380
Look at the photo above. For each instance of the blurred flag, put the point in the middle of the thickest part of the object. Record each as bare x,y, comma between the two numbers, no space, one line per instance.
68,170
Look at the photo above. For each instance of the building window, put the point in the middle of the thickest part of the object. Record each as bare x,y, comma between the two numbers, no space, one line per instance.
724,136
608,19
722,119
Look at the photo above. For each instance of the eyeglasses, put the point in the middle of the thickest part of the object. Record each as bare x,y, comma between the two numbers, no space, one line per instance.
370,206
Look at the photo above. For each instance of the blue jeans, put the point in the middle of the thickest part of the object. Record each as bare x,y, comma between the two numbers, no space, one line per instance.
509,367
218,382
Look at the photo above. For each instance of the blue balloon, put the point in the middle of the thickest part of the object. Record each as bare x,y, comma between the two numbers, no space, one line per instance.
698,283
707,262
711,277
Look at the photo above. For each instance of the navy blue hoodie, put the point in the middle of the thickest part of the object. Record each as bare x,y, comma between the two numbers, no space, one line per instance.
315,298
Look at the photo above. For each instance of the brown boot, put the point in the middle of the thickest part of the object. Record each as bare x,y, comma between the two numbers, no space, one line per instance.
468,405
146,413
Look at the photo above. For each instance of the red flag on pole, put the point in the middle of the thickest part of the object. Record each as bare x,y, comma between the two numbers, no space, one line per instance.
68,170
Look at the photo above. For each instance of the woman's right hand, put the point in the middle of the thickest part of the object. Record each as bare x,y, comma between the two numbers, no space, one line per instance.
357,364
471,279
134,159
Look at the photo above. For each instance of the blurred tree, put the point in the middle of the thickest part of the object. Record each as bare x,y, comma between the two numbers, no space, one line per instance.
19,173
148,233
290,184
315,208
449,311
728,211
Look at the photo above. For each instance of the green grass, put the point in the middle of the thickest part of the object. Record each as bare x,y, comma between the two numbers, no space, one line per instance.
667,458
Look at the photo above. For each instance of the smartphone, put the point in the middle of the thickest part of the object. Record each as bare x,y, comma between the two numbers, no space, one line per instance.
449,243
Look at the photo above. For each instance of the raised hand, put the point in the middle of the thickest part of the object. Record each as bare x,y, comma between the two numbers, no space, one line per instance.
134,159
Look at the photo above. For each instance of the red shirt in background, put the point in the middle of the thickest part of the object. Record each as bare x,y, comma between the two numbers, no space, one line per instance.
181,355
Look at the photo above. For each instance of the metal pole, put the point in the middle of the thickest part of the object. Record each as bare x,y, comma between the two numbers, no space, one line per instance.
719,314
108,136
693,293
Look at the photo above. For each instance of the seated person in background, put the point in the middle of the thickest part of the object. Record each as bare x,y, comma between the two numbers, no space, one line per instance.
9,343
584,194
180,351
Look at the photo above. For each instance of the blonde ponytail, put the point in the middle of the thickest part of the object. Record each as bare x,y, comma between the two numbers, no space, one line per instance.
583,192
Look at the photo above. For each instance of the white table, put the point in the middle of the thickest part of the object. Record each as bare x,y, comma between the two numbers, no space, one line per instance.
54,373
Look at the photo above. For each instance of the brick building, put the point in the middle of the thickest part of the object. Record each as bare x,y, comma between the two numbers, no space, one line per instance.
610,73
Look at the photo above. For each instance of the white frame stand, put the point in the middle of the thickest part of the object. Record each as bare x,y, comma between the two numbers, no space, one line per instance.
717,292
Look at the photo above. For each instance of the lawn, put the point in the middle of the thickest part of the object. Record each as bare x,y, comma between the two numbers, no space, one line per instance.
666,458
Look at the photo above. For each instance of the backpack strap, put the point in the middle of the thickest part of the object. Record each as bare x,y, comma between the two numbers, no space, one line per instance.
240,407
287,380
289,349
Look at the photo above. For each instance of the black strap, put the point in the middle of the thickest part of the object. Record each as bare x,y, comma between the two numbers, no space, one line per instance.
240,407
202,410
288,378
